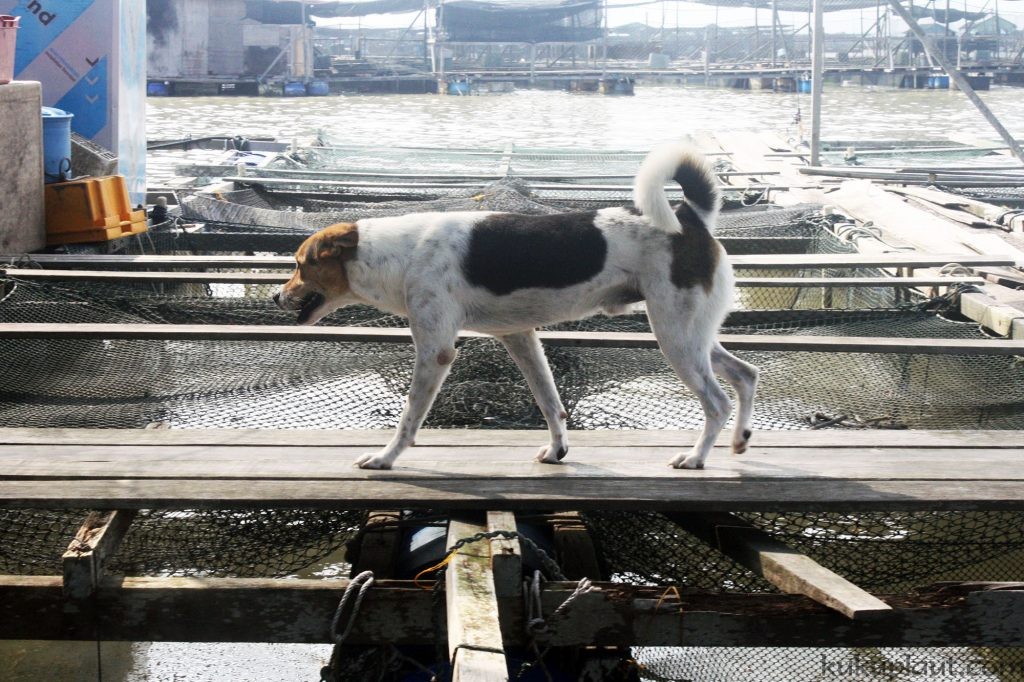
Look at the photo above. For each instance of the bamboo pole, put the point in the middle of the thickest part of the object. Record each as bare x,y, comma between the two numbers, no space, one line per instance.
817,76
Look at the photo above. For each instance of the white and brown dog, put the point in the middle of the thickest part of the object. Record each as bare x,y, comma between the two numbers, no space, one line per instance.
506,274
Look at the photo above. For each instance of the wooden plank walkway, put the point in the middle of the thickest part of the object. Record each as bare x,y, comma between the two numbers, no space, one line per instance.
495,470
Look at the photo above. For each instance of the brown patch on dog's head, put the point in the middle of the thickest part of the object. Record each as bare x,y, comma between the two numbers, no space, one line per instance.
319,284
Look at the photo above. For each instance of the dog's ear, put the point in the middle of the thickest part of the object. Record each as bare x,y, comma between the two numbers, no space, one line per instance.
336,241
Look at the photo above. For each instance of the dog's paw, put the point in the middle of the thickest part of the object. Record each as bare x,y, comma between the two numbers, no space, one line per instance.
549,454
373,460
740,441
687,461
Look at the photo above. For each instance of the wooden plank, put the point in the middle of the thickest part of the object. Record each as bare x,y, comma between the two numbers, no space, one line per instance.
671,492
95,542
496,462
826,438
779,260
147,276
614,614
790,571
475,646
281,278
214,332
506,555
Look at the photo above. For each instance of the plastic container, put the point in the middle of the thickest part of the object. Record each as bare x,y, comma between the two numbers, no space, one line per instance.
90,210
8,36
318,88
56,144
294,89
158,89
803,85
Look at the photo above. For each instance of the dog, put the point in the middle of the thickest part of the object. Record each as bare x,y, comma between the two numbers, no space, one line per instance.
507,274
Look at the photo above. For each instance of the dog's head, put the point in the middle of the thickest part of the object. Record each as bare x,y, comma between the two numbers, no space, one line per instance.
319,284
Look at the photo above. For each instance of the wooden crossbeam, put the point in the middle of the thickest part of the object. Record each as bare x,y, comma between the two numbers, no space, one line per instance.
118,276
787,569
614,614
475,646
750,342
95,542
779,260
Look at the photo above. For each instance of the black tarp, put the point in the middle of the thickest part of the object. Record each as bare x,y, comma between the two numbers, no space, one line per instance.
521,22
939,15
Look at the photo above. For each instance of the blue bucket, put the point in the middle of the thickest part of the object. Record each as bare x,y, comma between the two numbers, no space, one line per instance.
803,85
56,144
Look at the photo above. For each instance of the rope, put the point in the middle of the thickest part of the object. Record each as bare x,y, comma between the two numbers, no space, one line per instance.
358,586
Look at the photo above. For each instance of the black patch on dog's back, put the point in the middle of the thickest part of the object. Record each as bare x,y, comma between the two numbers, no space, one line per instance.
509,252
694,251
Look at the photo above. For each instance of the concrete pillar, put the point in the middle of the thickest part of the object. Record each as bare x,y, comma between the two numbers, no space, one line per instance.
22,224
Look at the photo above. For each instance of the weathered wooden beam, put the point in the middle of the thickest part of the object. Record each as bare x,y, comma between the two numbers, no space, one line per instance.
506,555
215,332
614,614
475,646
95,542
782,566
778,260
118,276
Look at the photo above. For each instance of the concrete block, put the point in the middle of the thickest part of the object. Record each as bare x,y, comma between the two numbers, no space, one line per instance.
22,223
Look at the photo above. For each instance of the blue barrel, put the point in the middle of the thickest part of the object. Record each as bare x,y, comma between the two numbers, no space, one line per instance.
56,144
318,88
459,87
158,89
803,85
294,89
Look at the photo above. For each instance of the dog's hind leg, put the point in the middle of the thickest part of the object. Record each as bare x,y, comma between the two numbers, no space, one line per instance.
742,376
528,353
435,354
688,350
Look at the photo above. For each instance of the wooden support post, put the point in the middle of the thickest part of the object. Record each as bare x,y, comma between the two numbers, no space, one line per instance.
574,548
817,78
380,543
787,569
96,540
474,631
506,556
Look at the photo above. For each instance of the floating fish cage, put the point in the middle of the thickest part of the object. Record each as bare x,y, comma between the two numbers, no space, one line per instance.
315,385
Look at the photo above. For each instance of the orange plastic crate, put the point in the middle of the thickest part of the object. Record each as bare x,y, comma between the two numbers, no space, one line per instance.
89,204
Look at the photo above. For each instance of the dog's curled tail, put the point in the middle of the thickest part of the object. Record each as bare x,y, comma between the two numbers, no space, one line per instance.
687,166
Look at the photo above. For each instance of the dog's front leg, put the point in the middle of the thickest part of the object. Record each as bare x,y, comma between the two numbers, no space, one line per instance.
528,353
434,359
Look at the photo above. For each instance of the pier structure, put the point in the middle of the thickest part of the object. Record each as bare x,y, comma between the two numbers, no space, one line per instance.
174,453
453,47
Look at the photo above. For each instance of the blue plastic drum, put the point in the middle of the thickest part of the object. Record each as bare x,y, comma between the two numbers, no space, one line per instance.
56,144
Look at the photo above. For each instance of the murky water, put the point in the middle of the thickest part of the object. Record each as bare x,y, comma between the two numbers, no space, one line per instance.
527,118
558,119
